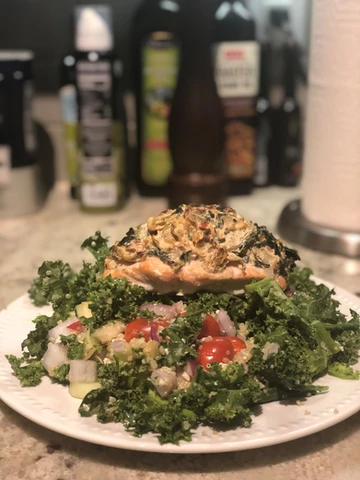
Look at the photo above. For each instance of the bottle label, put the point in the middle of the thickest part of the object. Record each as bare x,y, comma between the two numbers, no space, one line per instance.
160,56
237,67
5,165
98,164
240,142
99,195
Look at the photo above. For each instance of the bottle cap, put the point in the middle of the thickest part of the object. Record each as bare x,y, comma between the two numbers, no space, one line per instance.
93,27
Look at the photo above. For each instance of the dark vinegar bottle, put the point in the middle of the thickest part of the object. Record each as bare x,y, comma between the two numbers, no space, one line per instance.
196,126
236,58
286,137
156,56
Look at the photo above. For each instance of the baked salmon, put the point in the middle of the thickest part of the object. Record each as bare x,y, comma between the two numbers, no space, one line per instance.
194,248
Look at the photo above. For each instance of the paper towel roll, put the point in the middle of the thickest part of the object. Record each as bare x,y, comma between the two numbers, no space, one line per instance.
331,180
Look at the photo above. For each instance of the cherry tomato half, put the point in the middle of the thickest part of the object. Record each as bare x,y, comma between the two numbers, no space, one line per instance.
210,327
139,327
237,343
160,322
219,349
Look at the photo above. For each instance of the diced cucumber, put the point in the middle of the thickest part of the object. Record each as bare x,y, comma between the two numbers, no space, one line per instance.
151,349
83,310
109,331
125,354
81,389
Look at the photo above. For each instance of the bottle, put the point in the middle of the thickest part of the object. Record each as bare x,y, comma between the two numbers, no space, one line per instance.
262,174
286,148
196,126
68,101
101,131
236,59
156,58
21,189
278,38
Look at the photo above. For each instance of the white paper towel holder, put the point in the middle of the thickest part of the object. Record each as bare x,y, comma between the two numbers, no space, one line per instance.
293,226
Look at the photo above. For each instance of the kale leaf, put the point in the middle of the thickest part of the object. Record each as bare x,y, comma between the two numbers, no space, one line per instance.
75,349
61,373
97,245
29,374
340,370
111,298
36,343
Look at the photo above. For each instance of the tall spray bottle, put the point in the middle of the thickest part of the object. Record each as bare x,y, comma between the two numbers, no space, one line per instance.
101,141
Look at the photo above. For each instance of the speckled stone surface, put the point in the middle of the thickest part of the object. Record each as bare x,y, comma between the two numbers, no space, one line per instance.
34,453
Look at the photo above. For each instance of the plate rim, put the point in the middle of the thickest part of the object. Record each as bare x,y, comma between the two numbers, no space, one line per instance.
93,435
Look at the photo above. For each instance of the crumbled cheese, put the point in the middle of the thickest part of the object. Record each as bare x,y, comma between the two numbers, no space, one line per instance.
243,330
269,349
182,383
186,376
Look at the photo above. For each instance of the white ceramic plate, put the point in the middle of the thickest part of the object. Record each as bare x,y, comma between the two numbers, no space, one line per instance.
51,406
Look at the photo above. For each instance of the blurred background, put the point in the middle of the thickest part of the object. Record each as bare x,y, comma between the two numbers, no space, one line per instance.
278,31
46,28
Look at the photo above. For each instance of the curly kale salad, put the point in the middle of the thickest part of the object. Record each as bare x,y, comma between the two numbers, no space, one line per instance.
166,364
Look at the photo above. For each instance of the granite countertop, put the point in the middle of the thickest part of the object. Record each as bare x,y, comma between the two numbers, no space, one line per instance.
32,452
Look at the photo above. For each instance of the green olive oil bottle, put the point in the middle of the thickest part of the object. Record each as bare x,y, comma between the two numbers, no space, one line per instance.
156,58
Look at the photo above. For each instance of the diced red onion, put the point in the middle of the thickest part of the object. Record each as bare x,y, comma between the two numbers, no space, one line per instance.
226,325
166,311
164,380
158,308
154,333
54,357
61,328
190,368
82,371
178,308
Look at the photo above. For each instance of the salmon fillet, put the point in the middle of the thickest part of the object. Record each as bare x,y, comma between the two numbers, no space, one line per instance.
196,248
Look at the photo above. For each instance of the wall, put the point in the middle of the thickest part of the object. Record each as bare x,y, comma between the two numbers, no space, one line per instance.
45,26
